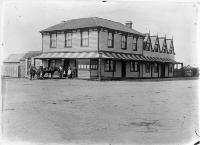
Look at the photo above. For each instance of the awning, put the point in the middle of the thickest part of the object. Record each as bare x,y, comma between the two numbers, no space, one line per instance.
115,55
105,55
55,55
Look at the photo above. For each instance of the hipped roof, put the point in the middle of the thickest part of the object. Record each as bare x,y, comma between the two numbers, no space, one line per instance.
91,22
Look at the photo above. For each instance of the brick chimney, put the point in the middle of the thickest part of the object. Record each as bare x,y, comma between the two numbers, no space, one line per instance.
129,24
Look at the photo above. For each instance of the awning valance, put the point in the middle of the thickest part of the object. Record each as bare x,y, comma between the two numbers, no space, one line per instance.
105,55
55,55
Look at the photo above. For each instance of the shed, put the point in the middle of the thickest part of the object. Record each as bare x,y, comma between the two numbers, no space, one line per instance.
17,65
11,65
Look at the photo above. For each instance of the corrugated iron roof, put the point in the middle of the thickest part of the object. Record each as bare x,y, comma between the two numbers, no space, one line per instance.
31,54
104,54
91,22
14,58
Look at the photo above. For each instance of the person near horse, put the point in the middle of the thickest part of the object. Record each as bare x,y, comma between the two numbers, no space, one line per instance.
61,71
40,72
69,72
32,72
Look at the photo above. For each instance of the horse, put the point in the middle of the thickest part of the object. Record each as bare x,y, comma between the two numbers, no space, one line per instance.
40,72
51,71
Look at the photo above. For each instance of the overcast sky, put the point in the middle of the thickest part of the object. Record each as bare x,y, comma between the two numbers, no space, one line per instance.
24,19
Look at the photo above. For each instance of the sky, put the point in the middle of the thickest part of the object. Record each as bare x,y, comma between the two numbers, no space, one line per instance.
23,19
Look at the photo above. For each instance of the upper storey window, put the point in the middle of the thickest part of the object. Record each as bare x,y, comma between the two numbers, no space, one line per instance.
124,42
85,38
53,40
110,40
156,46
135,43
68,39
147,44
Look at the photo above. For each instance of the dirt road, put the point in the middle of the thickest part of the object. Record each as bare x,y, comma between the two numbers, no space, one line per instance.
90,112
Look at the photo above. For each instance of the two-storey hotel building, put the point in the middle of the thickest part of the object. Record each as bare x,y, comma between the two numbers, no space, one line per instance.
103,49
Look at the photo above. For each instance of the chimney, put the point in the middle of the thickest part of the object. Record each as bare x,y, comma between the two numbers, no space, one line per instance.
129,24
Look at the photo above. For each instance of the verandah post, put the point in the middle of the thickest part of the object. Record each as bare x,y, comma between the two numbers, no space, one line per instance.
158,69
99,68
113,71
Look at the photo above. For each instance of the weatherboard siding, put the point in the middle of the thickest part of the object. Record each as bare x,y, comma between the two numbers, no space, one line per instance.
131,74
103,43
158,54
76,42
115,74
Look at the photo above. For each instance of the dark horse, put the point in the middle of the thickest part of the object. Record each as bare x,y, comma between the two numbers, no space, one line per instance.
51,71
39,73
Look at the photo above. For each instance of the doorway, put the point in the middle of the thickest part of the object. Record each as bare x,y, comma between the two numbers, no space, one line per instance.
162,71
123,69
66,63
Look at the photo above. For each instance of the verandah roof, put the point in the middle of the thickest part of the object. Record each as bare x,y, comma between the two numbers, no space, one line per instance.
108,55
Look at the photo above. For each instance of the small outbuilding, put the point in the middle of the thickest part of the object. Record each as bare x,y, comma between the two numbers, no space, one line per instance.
17,65
11,66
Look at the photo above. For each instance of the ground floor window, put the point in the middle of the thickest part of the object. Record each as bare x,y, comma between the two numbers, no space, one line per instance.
84,64
147,67
134,66
52,63
156,68
94,64
170,68
84,67
88,64
109,65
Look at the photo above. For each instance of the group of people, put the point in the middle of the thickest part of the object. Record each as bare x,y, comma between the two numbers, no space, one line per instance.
39,73
65,72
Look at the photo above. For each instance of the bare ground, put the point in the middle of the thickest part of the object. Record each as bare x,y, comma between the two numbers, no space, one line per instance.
90,112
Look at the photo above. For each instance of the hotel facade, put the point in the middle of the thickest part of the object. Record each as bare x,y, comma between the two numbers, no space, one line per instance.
103,49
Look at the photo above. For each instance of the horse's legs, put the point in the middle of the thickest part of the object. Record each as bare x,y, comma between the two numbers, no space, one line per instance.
60,75
42,74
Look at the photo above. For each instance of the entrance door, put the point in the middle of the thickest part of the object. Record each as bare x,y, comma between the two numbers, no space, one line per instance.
123,69
162,70
66,63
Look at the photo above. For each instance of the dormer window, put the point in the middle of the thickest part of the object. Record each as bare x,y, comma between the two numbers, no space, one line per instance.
164,47
110,40
124,42
53,40
147,44
156,46
171,49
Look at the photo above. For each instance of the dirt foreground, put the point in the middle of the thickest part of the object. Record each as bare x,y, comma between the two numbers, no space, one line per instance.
90,112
